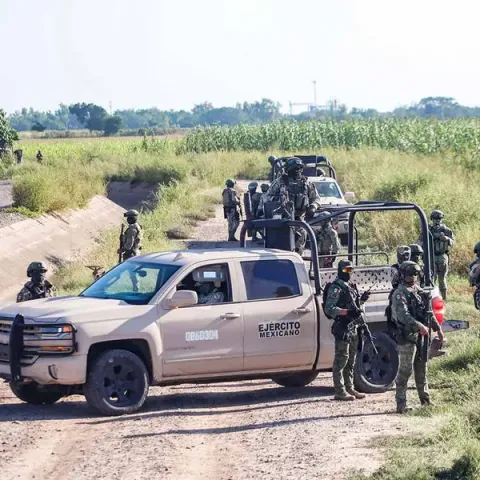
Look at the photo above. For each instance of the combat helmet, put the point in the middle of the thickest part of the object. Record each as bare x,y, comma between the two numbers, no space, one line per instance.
403,253
264,187
409,269
293,163
131,213
36,267
230,182
272,159
345,266
252,186
476,248
436,214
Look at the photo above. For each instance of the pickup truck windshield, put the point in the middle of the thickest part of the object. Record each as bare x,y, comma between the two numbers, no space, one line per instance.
328,189
134,282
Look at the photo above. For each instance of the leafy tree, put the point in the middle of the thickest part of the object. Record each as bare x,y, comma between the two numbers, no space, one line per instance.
7,134
38,127
89,115
112,124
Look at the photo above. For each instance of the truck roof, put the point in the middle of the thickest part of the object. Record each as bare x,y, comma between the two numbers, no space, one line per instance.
184,257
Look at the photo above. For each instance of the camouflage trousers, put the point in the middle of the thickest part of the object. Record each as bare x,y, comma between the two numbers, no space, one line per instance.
440,271
409,359
233,222
343,364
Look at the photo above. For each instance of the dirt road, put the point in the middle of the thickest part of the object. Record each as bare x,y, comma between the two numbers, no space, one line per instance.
238,430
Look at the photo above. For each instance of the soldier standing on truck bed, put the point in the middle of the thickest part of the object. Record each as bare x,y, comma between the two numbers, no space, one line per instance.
327,240
131,239
340,304
38,286
301,193
443,240
409,315
403,255
416,254
255,198
231,209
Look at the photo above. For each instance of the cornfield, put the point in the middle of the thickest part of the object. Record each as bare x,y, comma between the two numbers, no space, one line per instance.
458,137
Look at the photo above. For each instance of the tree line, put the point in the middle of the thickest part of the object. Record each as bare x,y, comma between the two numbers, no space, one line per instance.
96,118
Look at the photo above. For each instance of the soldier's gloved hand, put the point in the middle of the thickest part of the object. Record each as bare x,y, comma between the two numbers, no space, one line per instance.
311,211
364,296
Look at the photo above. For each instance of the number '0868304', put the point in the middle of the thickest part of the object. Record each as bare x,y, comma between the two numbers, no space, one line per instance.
201,335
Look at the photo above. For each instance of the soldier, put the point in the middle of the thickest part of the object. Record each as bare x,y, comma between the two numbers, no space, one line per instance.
327,240
416,253
408,314
443,240
403,254
301,192
272,159
39,156
261,206
255,203
19,156
131,240
231,204
38,286
474,275
341,305
208,292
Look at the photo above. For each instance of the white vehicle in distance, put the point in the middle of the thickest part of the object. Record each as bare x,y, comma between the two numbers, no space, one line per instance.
331,194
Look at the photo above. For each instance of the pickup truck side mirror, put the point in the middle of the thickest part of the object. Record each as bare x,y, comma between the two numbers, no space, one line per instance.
349,195
183,298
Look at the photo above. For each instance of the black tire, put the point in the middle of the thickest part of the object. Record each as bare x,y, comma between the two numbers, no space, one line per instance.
36,394
343,237
376,373
117,383
301,379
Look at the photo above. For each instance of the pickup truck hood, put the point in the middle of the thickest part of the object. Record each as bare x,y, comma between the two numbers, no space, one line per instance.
332,201
73,308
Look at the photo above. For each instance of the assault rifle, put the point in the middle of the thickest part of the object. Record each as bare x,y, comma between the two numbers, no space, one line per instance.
427,321
120,249
360,320
286,209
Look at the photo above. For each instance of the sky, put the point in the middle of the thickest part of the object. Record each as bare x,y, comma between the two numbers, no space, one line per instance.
172,54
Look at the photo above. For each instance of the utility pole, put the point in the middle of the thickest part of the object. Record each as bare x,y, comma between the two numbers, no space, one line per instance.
315,94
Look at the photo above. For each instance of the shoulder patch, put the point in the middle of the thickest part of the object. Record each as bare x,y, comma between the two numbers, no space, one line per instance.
334,291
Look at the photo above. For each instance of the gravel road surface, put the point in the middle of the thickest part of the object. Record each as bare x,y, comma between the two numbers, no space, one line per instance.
238,430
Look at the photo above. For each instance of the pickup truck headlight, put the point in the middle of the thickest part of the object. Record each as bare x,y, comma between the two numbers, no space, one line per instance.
48,339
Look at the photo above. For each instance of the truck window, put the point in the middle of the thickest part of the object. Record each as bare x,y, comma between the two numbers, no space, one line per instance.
134,282
211,282
265,279
328,189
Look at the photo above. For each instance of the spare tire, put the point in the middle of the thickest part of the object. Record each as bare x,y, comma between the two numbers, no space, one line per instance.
375,373
301,379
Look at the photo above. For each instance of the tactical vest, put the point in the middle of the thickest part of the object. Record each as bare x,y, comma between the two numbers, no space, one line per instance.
440,247
228,196
298,194
405,334
343,327
38,291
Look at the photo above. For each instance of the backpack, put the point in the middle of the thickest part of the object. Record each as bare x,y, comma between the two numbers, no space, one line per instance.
324,298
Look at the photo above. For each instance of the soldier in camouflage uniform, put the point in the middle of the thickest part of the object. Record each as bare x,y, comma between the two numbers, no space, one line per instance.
231,204
132,237
403,255
443,240
341,306
416,254
408,314
39,156
255,198
38,286
327,240
301,193
474,274
263,198
208,292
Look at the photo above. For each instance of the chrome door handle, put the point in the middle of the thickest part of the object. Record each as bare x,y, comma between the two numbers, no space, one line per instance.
230,316
302,310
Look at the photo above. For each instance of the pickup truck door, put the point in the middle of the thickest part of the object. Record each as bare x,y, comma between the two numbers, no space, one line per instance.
204,338
279,313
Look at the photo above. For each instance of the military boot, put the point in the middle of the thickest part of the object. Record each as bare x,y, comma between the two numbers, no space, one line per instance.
426,402
343,396
403,409
356,394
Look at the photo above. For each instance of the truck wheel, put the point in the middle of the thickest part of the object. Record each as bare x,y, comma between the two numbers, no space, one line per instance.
376,373
296,380
343,237
36,394
117,383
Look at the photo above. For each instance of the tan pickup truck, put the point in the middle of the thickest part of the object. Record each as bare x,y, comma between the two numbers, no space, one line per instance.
148,321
